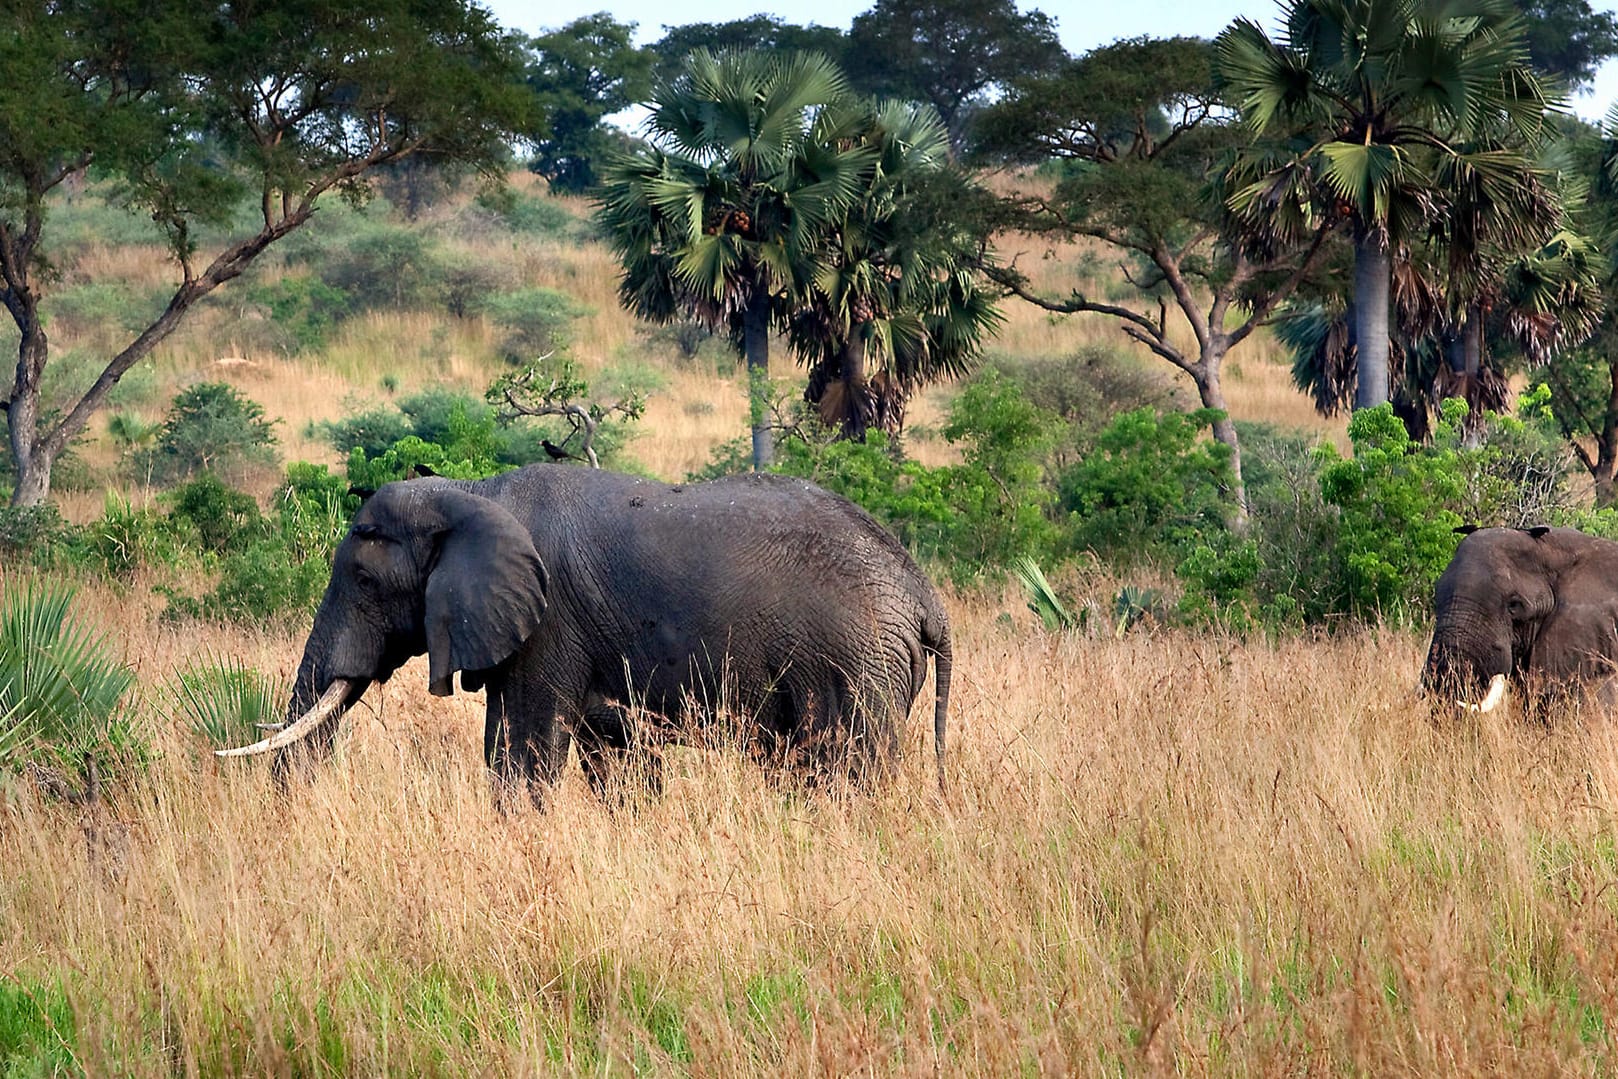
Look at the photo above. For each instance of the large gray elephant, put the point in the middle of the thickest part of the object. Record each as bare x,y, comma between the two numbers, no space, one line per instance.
1532,609
582,600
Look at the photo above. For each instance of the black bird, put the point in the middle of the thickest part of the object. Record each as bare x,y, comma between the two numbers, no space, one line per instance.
555,452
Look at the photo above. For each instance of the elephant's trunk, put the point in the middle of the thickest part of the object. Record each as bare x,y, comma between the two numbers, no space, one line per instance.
1452,672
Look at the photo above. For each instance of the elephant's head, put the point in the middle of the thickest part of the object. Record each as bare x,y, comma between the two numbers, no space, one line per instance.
1533,607
426,567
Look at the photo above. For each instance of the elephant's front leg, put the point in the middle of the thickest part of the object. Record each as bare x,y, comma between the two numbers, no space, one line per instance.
524,742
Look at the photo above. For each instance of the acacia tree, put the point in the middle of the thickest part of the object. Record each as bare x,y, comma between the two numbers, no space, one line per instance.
588,69
1140,124
951,54
194,107
1386,100
721,217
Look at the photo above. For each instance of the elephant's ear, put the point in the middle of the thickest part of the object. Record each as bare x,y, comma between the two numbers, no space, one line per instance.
485,591
1579,638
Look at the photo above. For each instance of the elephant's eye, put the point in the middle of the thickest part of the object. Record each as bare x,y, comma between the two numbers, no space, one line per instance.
1517,607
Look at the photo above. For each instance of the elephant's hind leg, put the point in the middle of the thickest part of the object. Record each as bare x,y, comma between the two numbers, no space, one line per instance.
615,758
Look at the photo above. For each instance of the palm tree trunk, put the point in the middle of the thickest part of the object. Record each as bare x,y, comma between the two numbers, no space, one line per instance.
857,410
1607,443
1373,271
756,346
1472,340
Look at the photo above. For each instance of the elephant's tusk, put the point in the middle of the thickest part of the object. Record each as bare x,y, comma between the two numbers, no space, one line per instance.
1492,699
323,710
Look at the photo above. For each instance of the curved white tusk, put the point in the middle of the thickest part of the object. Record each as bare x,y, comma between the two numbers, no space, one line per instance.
1491,700
323,710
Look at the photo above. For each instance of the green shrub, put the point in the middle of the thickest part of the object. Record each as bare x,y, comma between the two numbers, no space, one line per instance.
221,518
125,539
978,517
62,694
372,431
1398,503
313,509
384,266
34,534
304,310
534,321
265,582
526,214
281,573
1087,390
211,426
1152,488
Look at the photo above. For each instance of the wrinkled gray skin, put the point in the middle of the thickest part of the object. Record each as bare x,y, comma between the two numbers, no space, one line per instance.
1538,605
569,593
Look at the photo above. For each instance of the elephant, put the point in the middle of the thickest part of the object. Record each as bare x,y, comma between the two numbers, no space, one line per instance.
614,612
1530,609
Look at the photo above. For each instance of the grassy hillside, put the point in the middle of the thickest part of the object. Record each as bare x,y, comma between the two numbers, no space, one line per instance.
1163,851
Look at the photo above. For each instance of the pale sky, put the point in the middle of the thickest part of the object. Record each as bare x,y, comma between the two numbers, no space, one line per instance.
1081,24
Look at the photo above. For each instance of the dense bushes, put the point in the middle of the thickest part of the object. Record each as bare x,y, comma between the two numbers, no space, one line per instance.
1148,492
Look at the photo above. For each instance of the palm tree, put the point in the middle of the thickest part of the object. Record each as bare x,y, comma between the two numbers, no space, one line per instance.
894,291
1383,97
723,217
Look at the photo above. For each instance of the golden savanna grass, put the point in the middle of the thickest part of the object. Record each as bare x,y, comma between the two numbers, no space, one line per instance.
1162,853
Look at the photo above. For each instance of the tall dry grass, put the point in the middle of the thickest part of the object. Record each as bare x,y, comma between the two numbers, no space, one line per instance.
1157,853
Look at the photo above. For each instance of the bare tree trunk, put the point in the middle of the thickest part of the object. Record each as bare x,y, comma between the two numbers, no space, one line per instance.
756,346
32,459
1373,269
1212,394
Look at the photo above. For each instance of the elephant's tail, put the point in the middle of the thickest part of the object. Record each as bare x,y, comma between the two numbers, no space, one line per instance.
935,638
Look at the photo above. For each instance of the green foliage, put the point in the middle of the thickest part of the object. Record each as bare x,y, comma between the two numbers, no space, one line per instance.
370,432
125,539
211,426
221,518
526,214
79,93
38,1031
31,533
223,702
62,694
1087,390
978,517
581,73
313,509
279,572
534,321
304,310
384,266
1397,518
1151,487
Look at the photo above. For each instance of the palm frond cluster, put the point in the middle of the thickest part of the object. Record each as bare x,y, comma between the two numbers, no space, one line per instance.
1420,128
773,198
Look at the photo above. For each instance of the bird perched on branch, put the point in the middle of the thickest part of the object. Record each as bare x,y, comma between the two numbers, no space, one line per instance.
555,452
